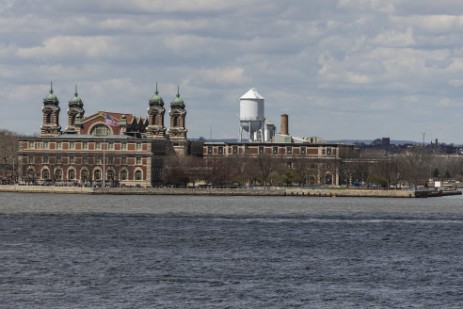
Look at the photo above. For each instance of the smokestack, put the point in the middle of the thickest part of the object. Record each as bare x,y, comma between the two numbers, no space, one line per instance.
284,125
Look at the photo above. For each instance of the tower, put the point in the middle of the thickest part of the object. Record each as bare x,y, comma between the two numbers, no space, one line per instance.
177,131
50,111
252,115
156,113
75,114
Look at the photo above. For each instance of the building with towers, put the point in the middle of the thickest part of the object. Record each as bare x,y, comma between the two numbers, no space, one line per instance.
105,147
112,148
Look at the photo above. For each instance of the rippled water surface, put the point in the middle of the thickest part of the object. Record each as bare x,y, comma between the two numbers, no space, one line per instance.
83,251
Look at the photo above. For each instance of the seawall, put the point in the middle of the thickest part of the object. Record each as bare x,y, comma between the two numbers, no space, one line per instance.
303,192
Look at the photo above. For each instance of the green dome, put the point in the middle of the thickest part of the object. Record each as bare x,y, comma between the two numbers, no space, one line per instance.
178,101
51,97
156,99
76,100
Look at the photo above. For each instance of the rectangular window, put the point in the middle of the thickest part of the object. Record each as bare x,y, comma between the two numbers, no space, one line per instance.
30,160
31,145
58,145
328,151
124,146
289,150
58,160
85,145
220,150
98,145
124,160
261,149
72,160
111,146
209,149
303,150
45,145
138,146
138,161
275,150
72,145
235,149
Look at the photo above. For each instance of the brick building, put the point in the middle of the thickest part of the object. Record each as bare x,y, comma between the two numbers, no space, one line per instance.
105,147
121,149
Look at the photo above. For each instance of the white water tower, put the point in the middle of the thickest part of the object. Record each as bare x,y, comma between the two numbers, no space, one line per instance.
252,115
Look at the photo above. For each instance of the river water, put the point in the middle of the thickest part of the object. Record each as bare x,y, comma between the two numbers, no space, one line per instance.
85,251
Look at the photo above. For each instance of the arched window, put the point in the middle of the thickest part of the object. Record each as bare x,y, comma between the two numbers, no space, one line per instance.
100,130
71,174
110,174
84,175
138,175
97,175
58,174
30,173
123,175
45,174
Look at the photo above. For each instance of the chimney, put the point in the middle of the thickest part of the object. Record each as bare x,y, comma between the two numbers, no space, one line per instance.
284,125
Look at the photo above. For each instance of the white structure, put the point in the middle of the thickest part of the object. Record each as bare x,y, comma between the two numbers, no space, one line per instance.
252,115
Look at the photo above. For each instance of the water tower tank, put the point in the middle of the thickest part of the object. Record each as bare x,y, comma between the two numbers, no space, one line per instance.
251,111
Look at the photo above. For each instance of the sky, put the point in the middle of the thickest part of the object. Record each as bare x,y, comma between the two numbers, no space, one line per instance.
340,69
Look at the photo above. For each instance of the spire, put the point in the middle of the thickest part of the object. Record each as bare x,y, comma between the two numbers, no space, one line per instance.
156,92
178,91
75,92
51,87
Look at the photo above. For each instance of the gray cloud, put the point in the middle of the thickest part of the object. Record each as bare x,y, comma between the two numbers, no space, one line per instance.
339,68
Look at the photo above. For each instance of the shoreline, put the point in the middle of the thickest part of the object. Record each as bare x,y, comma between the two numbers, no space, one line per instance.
302,192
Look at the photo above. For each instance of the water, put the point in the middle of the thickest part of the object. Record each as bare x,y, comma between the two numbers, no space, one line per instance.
82,251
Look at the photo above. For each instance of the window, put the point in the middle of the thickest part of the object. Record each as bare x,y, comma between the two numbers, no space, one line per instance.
71,174
124,160
261,149
84,175
138,175
98,145
235,149
30,159
289,150
45,174
58,174
111,146
72,159
138,146
72,145
85,145
138,161
97,175
45,145
58,160
100,130
124,146
31,145
303,150
58,145
328,151
209,149
45,160
123,175
275,150
220,150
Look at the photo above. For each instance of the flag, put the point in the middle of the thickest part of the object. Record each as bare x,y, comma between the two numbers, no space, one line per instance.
110,121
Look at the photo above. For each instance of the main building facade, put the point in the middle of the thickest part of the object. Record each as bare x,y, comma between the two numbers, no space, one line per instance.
109,148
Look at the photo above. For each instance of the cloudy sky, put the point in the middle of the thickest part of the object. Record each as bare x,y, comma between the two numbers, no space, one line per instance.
341,69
